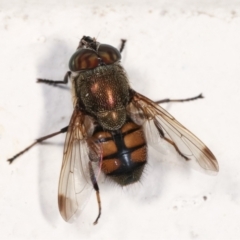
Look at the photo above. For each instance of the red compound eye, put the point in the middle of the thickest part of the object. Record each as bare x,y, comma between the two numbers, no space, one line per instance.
108,54
83,59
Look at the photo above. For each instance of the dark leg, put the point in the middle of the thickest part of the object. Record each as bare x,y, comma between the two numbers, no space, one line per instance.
65,80
122,45
96,188
167,100
39,140
170,141
176,148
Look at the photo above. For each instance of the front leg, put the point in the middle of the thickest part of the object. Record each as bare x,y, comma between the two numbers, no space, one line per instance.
52,82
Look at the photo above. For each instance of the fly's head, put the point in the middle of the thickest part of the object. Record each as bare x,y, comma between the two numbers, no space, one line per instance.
90,54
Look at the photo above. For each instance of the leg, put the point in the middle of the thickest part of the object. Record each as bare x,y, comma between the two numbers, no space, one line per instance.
167,100
96,188
64,81
39,140
176,148
172,143
123,42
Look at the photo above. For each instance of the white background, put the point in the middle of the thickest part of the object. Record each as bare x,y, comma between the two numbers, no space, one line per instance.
175,49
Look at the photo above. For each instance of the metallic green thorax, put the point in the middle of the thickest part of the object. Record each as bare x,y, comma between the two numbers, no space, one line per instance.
104,92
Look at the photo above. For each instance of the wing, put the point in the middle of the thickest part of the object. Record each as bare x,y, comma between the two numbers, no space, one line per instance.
75,183
167,128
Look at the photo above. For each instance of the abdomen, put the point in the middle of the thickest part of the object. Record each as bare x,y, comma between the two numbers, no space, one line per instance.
124,152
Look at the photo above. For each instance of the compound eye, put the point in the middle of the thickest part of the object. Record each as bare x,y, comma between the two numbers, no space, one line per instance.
83,59
108,54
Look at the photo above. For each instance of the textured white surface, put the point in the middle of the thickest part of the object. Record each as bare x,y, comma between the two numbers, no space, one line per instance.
174,50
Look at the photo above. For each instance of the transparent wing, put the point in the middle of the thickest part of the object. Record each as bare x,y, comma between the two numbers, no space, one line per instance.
167,128
75,183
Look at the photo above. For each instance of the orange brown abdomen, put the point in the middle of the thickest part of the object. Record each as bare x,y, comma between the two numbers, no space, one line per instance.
124,153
